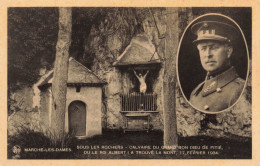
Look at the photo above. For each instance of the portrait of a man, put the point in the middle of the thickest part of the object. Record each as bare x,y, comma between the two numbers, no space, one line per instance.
222,86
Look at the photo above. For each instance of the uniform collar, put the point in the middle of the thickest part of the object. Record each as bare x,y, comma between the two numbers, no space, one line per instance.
219,81
216,73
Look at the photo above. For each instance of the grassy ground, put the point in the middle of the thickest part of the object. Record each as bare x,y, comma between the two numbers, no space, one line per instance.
137,143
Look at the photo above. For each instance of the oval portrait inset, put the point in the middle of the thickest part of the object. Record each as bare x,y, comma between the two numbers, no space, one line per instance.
212,63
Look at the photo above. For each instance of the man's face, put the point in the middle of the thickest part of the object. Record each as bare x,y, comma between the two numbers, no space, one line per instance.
213,55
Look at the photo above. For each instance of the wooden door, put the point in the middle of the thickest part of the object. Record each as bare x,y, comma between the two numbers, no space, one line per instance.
77,118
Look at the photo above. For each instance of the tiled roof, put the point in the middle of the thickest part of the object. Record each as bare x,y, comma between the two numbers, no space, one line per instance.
77,74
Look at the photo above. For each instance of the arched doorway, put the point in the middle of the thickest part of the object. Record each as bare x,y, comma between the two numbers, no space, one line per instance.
77,118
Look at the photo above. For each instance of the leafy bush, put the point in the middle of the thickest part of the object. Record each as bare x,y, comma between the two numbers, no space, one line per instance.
27,138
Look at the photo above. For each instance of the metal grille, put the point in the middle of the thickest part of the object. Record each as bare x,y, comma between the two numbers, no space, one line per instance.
139,102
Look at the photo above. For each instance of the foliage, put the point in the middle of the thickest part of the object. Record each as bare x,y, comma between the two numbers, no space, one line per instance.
233,147
32,35
28,138
33,32
110,34
32,38
101,23
13,106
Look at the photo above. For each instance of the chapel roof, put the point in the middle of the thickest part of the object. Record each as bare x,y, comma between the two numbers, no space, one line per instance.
77,74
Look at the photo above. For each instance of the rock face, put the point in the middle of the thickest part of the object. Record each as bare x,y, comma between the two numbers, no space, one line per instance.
114,119
237,121
21,100
107,51
109,39
153,27
188,119
23,116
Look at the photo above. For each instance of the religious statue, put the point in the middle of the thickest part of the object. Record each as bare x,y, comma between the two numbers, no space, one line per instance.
143,86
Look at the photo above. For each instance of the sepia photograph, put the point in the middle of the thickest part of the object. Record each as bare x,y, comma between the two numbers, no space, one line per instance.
129,83
221,60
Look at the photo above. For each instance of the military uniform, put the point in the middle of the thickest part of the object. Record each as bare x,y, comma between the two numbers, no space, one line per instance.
221,90
218,93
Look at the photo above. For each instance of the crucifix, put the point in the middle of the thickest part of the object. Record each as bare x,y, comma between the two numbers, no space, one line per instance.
141,78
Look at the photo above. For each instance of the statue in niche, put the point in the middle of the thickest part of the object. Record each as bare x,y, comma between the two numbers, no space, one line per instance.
143,86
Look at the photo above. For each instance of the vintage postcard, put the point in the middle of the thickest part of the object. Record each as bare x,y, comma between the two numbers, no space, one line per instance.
127,83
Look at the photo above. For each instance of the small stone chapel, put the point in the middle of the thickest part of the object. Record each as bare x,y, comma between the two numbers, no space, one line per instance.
84,101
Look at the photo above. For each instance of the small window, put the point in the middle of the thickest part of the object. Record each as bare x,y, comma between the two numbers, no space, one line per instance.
78,89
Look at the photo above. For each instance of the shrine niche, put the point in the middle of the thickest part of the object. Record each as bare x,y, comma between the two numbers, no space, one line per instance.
141,64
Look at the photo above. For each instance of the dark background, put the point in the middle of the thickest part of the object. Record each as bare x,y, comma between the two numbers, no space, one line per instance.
190,70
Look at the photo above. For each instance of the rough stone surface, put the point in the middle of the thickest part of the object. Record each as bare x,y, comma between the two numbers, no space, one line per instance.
106,46
17,121
121,81
21,100
188,119
20,108
45,106
23,121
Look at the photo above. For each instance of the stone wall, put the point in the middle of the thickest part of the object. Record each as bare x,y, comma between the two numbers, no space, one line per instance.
111,46
112,91
92,97
45,107
21,99
188,119
106,42
20,108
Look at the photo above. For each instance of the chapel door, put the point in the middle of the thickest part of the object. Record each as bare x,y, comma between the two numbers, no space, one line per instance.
77,118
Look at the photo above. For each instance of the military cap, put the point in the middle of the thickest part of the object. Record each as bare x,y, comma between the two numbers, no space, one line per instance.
213,31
